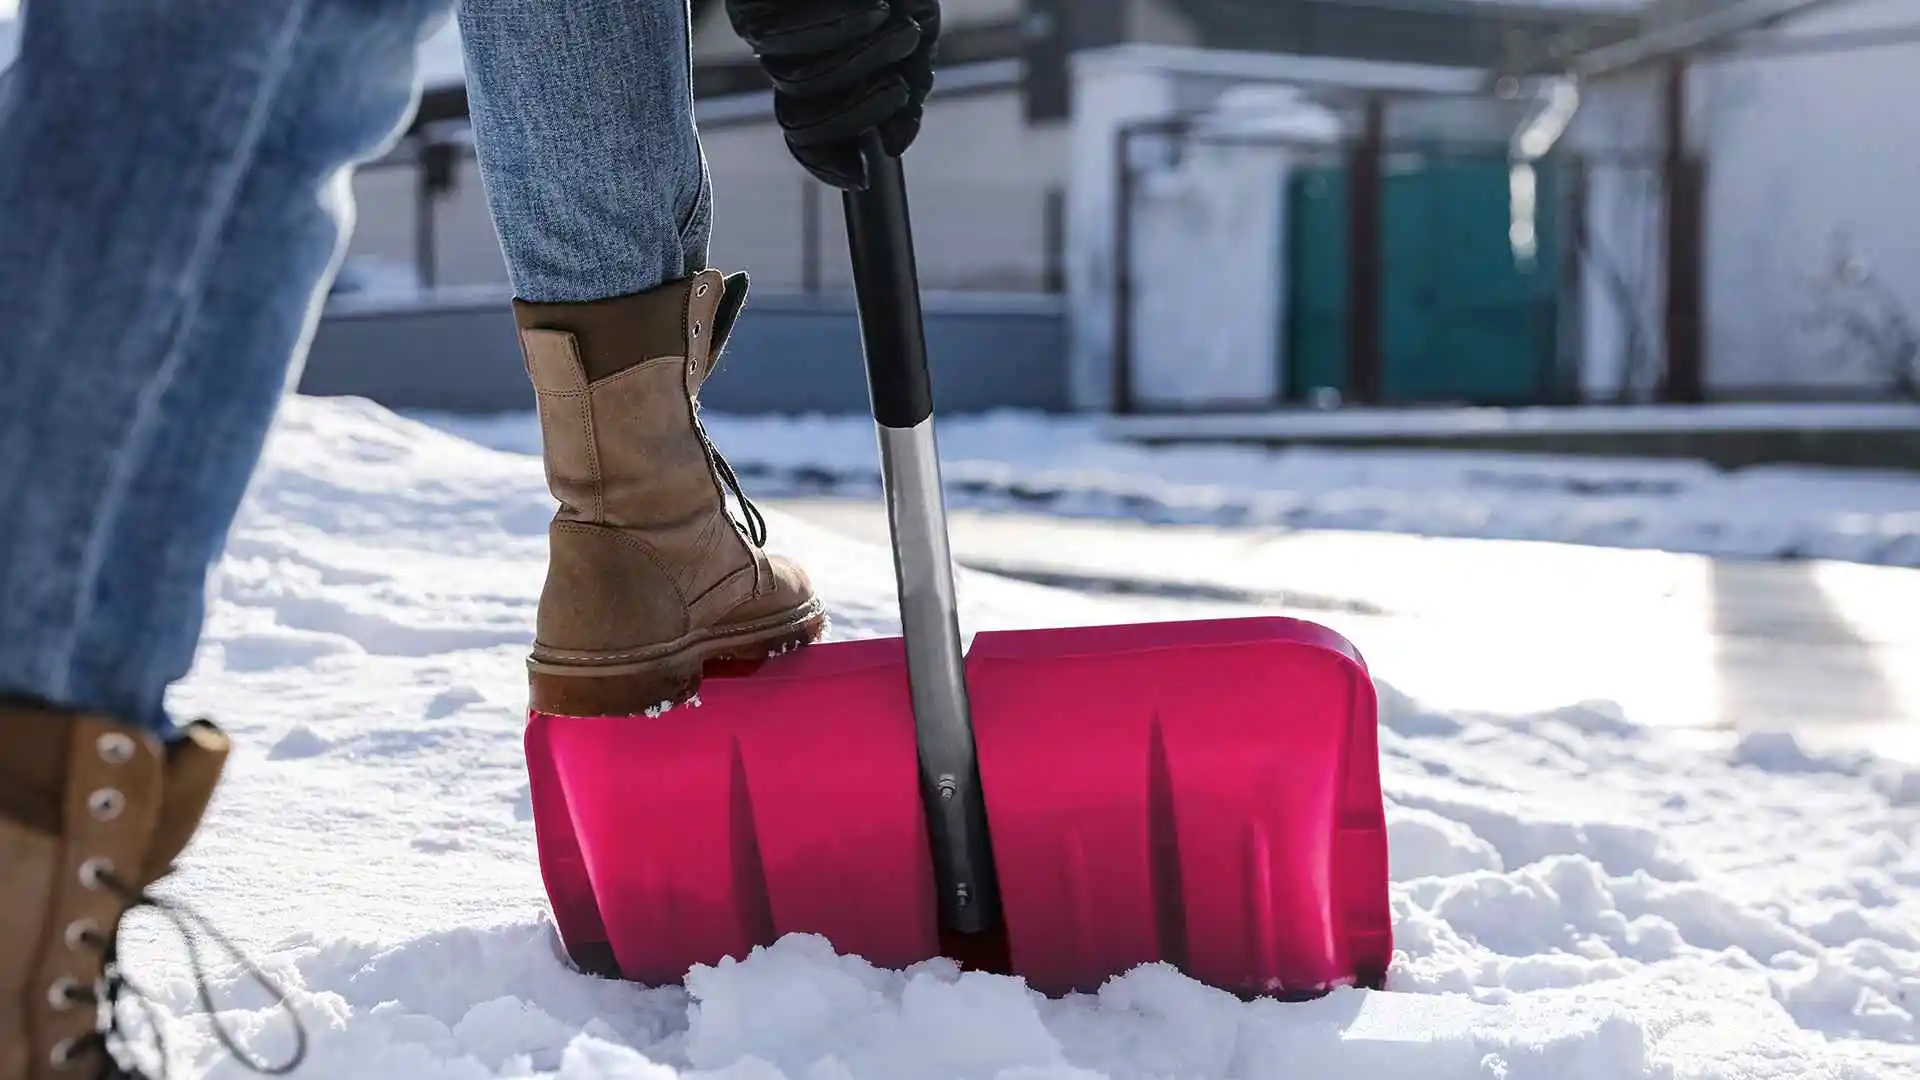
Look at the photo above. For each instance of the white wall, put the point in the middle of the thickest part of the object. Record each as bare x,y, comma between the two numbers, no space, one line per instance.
977,179
1807,152
467,249
1117,86
1209,233
383,216
1622,286
1158,22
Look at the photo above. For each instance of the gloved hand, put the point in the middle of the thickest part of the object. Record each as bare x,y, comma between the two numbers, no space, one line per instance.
841,68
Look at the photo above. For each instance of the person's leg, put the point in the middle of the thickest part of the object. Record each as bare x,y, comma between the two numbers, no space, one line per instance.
174,201
583,117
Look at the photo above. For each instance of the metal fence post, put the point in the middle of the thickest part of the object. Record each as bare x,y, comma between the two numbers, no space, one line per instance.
434,177
1686,194
810,241
1365,191
1054,271
1123,273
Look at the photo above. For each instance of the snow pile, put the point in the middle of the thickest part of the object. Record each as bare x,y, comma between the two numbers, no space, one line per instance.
1576,896
1063,467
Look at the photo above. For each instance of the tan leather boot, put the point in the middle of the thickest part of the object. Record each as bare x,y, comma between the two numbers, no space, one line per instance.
649,578
91,813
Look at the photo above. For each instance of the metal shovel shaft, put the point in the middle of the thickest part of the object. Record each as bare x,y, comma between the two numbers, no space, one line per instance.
893,337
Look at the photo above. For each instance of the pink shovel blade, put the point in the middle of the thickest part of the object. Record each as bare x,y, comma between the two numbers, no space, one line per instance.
1204,794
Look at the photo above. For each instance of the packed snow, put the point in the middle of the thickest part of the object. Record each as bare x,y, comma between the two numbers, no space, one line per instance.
1064,466
1576,895
1828,651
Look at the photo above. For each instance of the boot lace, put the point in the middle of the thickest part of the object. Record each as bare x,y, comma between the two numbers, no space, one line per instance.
118,986
756,524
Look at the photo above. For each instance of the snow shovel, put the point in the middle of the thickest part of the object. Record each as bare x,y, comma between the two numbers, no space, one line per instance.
1061,804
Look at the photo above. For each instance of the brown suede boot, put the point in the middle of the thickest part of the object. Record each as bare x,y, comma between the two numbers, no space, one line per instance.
91,813
649,578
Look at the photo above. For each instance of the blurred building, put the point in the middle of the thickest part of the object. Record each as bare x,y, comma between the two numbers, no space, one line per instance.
1014,178
1152,205
1809,238
991,171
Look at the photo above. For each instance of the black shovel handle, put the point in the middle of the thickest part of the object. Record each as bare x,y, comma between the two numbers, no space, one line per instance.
887,282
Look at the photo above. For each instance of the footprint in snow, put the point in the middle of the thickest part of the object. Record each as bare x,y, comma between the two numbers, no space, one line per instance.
301,742
452,700
254,652
382,634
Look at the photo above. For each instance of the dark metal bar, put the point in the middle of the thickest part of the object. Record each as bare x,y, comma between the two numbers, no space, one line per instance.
1122,345
1685,376
887,289
1054,273
1365,191
810,238
1571,388
425,262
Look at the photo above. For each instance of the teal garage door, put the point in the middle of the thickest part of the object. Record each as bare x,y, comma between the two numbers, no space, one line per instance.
1464,319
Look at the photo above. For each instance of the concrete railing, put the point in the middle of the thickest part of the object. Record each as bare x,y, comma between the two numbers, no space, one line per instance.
454,350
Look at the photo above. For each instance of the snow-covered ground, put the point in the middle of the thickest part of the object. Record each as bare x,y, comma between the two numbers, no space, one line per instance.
1493,419
1576,895
1717,649
1063,466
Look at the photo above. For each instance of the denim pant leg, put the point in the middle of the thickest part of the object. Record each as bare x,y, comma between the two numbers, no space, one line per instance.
583,118
173,202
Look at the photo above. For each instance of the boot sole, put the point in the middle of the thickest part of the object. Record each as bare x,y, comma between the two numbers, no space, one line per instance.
633,687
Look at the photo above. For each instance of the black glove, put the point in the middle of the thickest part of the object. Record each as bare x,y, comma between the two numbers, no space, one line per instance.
841,68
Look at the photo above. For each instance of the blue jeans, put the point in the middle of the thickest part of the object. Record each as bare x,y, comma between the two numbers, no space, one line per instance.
173,206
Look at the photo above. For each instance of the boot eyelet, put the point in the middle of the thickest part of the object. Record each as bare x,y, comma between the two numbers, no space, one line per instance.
115,748
79,930
106,804
63,1056
696,329
700,289
92,869
64,993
